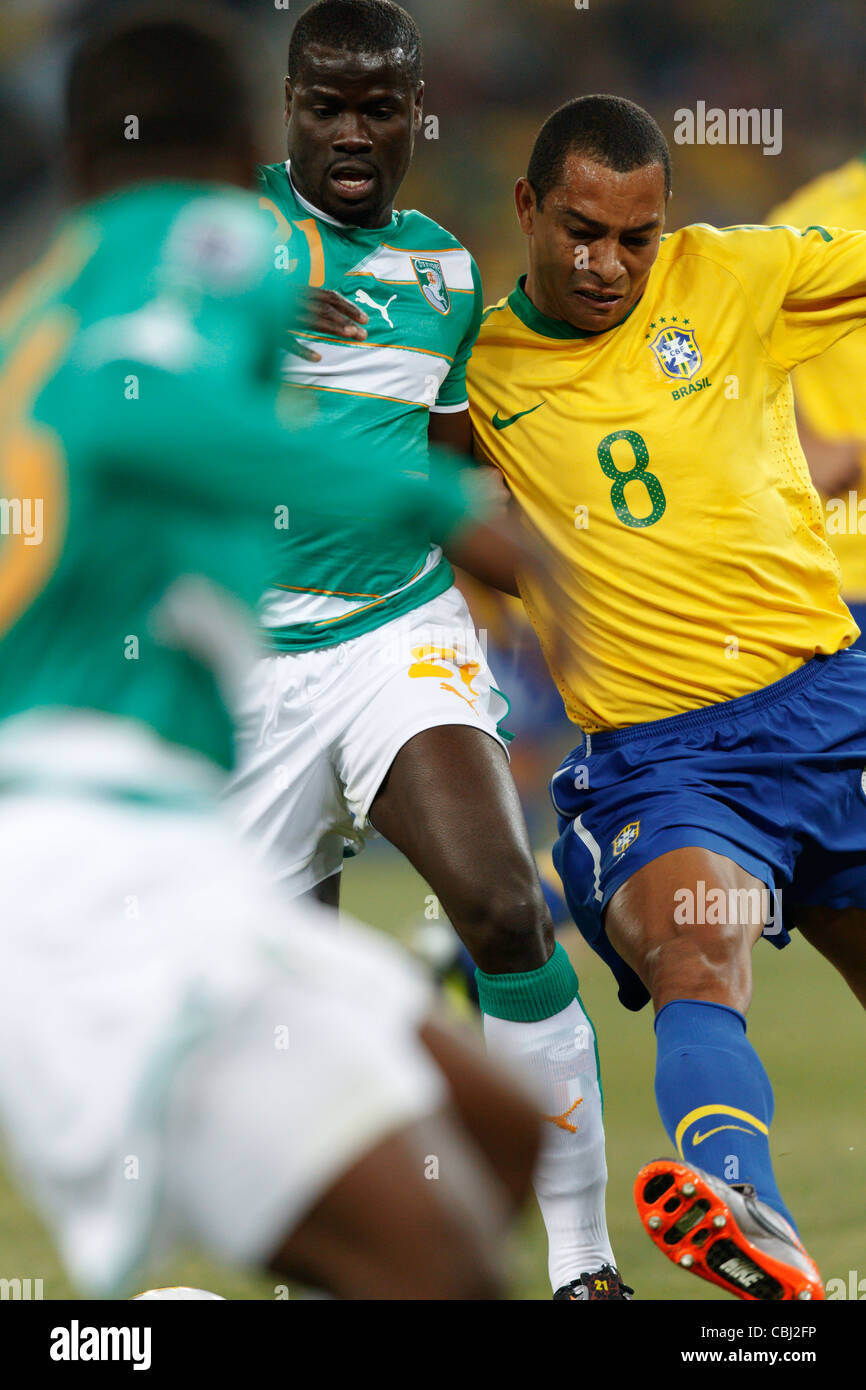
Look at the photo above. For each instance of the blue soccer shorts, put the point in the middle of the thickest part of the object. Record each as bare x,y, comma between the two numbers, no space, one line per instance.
775,780
858,613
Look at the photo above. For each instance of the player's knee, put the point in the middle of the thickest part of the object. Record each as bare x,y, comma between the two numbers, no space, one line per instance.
506,927
699,962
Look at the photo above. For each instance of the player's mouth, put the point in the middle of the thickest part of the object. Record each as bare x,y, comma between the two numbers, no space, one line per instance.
352,182
599,301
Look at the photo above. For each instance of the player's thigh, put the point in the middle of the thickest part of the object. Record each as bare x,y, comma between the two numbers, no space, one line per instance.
284,795
450,805
420,756
448,801
839,934
686,923
384,1231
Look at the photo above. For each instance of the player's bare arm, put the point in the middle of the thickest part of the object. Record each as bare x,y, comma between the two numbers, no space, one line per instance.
493,561
833,463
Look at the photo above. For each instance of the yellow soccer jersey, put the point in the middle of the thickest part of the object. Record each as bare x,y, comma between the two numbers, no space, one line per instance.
659,460
830,389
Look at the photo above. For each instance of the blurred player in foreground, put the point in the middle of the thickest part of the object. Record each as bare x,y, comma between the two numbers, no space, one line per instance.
188,1056
828,392
634,391
377,708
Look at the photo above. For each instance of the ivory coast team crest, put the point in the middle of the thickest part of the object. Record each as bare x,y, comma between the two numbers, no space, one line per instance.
432,281
677,353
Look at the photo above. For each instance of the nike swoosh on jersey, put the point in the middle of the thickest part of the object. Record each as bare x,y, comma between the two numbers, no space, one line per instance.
699,1138
499,424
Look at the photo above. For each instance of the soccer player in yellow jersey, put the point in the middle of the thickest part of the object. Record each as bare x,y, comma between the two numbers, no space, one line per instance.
828,392
634,391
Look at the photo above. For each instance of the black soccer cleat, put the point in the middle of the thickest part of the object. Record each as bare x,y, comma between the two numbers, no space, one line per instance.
606,1283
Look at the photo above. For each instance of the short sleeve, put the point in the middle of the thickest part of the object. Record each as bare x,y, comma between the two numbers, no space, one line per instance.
806,286
452,395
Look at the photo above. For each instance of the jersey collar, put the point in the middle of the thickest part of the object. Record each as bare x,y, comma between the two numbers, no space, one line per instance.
520,303
333,221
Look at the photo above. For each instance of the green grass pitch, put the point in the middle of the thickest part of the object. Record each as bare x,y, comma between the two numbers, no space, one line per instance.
806,1026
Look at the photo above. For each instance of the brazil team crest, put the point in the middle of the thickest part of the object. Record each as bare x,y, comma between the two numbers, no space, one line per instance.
677,353
432,282
626,837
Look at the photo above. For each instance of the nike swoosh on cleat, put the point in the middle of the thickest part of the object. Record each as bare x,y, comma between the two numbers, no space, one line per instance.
699,1138
500,424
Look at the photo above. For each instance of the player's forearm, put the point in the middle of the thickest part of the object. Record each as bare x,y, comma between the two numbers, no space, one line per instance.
833,463
494,551
490,555
229,451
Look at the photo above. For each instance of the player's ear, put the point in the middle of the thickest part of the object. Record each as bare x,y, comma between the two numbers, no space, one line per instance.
419,107
288,112
525,201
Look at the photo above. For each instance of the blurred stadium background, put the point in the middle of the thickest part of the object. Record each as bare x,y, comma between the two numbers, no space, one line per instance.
494,70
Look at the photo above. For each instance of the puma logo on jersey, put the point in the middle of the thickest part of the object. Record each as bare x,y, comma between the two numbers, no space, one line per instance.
364,298
428,663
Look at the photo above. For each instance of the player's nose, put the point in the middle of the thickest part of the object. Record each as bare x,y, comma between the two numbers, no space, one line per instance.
352,135
605,261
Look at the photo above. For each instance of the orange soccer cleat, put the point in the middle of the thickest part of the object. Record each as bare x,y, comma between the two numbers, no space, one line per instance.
723,1233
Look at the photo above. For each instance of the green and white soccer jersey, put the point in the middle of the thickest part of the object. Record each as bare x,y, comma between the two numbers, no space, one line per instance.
422,293
140,435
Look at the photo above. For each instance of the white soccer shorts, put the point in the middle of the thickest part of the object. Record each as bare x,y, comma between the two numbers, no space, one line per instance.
188,1056
318,731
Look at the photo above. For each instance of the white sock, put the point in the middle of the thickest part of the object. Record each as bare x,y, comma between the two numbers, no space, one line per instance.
557,1055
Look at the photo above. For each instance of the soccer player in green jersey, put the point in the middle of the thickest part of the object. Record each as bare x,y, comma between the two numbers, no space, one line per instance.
187,1054
377,710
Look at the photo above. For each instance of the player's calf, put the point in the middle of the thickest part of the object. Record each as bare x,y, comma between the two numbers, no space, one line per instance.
466,836
713,1094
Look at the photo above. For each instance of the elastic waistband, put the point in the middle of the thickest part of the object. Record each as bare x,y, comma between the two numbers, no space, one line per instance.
708,715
